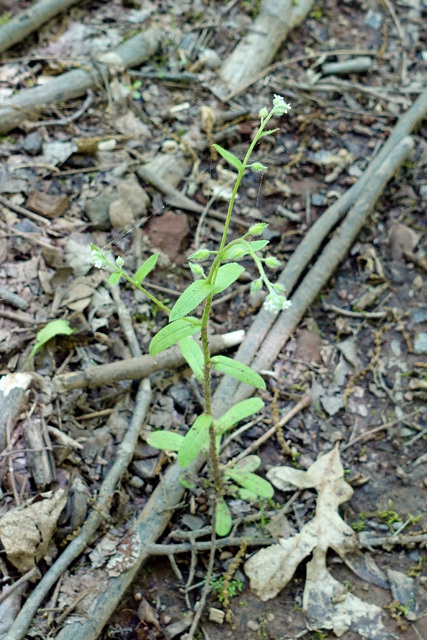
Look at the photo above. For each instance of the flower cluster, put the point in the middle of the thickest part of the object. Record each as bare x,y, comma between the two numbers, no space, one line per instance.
276,303
98,258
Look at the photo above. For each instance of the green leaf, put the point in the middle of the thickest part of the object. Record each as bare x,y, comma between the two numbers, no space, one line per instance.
230,157
238,370
257,245
190,298
52,329
251,482
240,411
193,354
145,268
166,440
227,274
196,440
250,463
248,496
173,332
114,278
223,518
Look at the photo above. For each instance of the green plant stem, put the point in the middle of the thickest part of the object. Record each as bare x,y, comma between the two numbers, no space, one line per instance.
239,178
207,393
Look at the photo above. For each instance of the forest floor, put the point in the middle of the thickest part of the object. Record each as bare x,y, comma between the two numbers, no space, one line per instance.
360,350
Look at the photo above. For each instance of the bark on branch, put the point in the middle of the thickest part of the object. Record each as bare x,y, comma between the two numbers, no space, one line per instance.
30,20
29,103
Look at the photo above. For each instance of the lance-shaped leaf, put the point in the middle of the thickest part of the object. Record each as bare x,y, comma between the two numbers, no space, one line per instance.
227,274
190,299
193,354
223,518
195,441
251,482
166,440
173,332
230,157
240,411
238,370
145,268
256,245
52,329
114,278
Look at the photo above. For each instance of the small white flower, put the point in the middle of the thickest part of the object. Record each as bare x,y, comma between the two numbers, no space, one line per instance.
276,303
97,259
280,106
120,262
263,113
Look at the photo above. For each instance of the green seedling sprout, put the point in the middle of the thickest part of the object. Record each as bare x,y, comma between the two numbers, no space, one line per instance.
51,330
214,271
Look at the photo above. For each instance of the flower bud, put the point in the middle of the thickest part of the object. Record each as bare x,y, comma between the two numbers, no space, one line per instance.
272,262
120,262
196,269
256,285
200,255
278,288
263,113
257,166
257,229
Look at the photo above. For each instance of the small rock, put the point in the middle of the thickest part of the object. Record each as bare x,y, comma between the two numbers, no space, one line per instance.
374,19
96,210
252,625
420,343
33,143
121,214
181,396
167,232
419,315
252,193
136,482
193,522
145,468
46,204
317,200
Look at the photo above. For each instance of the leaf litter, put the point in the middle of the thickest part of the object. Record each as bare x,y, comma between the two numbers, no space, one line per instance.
326,603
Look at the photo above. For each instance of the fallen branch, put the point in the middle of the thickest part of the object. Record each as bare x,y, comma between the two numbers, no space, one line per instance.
30,20
136,368
27,104
257,49
327,263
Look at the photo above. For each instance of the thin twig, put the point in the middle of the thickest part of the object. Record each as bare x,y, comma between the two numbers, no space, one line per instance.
207,586
23,211
32,573
302,404
381,427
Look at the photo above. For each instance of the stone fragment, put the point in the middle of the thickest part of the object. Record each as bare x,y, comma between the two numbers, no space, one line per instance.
168,232
33,143
96,210
420,343
47,204
121,215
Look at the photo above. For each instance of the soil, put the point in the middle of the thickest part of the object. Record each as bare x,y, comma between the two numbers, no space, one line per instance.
362,368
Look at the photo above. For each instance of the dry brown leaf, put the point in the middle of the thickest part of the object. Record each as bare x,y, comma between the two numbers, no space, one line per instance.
326,603
26,531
